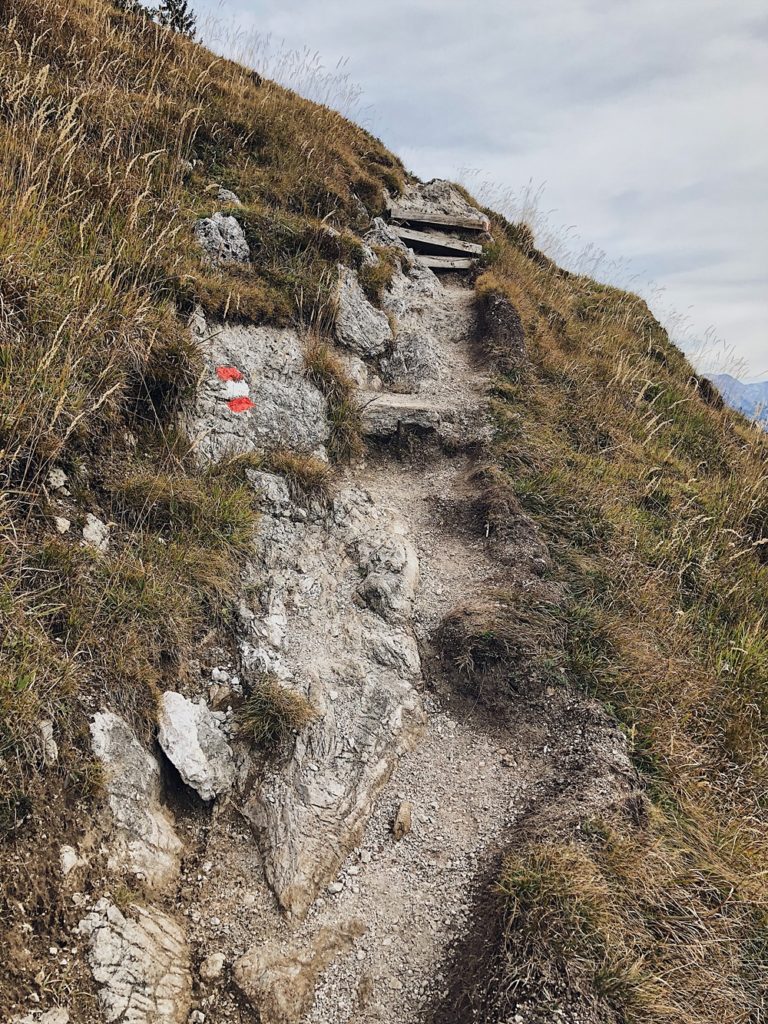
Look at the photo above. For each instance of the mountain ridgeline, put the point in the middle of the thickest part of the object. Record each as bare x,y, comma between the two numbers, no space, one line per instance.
382,607
749,399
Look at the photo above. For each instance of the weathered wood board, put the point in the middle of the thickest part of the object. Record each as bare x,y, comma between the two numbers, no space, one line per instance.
446,262
431,241
445,220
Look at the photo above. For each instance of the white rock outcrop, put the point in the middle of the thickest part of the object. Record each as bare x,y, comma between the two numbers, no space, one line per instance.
333,619
140,961
275,403
194,742
222,239
141,838
438,196
359,325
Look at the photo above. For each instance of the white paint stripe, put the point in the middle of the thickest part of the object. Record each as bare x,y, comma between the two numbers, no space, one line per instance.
235,389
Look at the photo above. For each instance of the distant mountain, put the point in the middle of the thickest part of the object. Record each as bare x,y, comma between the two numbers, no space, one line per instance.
751,399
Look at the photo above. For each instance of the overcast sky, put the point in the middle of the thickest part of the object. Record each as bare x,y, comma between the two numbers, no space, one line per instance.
642,123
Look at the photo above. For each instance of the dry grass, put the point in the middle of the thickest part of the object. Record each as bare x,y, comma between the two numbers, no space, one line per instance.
326,372
652,499
271,714
496,648
643,929
306,476
101,113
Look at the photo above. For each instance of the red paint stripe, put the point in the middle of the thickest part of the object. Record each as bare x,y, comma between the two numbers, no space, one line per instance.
242,404
228,373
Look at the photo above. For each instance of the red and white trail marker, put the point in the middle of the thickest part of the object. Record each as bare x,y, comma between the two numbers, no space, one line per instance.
236,390
228,373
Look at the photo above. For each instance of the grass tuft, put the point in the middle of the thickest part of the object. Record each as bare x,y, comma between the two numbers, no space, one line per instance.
326,372
271,714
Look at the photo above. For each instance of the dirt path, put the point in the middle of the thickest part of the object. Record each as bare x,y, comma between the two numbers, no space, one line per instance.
414,894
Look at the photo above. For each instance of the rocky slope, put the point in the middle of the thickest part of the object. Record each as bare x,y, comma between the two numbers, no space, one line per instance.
374,645
329,883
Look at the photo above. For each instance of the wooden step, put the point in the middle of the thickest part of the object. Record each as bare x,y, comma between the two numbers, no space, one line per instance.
469,222
432,241
446,262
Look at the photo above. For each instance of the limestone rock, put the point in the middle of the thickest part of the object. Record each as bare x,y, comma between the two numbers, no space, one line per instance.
280,985
286,410
95,533
359,325
57,479
49,745
142,838
194,743
336,592
140,960
403,822
62,524
224,195
69,859
381,234
438,196
212,967
388,416
223,239
415,302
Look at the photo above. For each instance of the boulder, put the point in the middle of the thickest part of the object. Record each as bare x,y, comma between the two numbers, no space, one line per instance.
141,838
140,961
280,984
193,741
359,325
275,404
222,239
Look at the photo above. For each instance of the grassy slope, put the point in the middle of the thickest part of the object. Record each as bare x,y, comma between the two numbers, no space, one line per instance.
653,501
99,112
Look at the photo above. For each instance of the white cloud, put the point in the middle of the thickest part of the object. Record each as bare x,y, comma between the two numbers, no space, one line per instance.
646,120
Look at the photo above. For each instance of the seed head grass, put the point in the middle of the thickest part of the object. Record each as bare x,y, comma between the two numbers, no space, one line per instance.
650,495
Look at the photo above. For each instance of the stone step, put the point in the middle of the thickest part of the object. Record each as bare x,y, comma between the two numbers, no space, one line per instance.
387,416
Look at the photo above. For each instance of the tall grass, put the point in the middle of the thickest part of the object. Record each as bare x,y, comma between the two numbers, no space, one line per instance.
651,495
113,134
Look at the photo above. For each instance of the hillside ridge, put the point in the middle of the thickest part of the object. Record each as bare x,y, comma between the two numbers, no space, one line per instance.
379,641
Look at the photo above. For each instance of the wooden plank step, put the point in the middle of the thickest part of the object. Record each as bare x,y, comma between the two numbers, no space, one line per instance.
431,241
446,262
470,222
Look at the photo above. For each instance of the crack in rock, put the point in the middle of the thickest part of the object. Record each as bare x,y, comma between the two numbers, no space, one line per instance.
140,960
